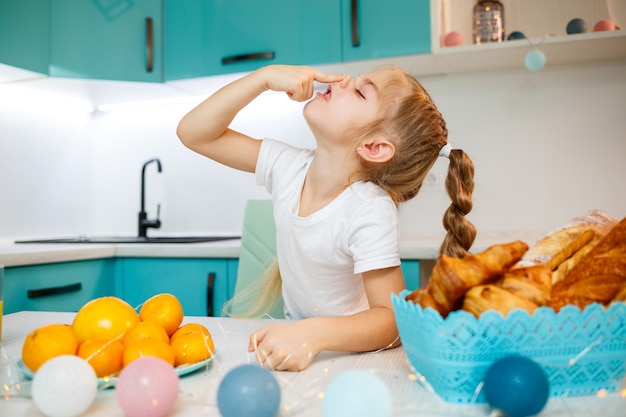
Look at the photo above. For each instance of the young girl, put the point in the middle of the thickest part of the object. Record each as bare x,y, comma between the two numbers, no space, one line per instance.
335,207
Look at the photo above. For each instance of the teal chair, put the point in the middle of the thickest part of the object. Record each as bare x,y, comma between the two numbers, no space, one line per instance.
257,255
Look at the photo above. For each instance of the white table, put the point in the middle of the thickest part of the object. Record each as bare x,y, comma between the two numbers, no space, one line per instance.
301,391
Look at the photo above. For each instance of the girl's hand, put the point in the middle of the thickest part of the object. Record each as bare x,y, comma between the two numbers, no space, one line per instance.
297,82
285,346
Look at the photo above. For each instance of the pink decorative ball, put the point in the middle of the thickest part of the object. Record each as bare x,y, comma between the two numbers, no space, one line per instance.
453,38
603,25
147,387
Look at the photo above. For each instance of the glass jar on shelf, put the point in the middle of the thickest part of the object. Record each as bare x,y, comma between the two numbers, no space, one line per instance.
488,24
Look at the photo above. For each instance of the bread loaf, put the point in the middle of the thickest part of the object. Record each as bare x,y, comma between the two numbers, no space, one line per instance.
559,249
598,276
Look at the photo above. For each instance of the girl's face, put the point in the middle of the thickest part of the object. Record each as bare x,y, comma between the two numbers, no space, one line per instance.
344,107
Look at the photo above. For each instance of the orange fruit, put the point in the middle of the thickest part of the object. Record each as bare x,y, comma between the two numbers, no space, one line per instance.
165,310
187,329
104,318
146,330
104,356
192,347
148,347
48,342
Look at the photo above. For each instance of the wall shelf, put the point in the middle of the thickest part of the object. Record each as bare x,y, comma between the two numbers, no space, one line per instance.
559,50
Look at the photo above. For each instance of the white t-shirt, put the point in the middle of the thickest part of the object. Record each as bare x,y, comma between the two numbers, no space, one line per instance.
321,256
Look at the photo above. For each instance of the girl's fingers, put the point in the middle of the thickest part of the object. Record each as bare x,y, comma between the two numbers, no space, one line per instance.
328,78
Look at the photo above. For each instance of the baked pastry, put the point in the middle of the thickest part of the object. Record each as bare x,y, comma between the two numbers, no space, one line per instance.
452,277
560,249
491,297
533,283
621,295
423,297
598,276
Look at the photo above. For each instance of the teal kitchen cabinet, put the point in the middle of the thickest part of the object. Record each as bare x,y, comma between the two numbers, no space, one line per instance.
411,272
164,40
63,286
24,34
376,29
202,285
249,34
100,39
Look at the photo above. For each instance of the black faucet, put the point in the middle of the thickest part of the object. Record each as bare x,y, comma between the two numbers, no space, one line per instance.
144,222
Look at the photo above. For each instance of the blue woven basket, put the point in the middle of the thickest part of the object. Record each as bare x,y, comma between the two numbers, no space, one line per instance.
581,352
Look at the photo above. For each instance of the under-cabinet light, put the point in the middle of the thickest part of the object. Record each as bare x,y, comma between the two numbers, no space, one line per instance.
16,95
149,103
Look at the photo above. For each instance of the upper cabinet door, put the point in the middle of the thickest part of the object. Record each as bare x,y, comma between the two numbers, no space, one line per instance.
248,34
24,34
101,39
376,29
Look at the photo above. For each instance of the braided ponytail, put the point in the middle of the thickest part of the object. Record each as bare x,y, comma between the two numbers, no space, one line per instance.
459,185
412,121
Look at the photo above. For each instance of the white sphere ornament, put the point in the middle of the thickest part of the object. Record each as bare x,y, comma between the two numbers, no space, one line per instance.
64,386
535,60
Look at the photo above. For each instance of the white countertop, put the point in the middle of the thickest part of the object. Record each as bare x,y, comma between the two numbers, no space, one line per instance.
301,392
12,254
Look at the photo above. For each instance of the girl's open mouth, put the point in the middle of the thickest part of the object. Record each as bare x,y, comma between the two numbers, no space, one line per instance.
326,95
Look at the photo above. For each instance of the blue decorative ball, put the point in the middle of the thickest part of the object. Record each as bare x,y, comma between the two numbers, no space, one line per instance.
515,35
357,394
248,391
517,386
576,26
535,60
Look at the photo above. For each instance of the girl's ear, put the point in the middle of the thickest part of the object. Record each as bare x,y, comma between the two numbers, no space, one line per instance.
379,150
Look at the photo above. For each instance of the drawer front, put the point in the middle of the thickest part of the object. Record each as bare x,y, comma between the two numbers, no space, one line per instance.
201,285
64,286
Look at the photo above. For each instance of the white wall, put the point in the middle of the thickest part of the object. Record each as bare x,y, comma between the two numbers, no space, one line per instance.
547,146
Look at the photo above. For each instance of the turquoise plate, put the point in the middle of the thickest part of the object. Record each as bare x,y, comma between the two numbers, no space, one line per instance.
110,381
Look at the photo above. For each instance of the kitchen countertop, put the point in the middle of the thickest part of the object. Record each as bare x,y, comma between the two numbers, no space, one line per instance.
301,392
12,254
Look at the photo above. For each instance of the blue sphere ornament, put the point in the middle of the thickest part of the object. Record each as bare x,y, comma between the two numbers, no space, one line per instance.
535,60
357,394
515,35
517,386
576,26
248,391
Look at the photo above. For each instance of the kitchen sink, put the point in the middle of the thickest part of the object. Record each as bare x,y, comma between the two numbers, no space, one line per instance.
132,239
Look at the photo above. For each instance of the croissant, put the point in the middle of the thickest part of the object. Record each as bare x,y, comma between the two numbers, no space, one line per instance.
533,283
452,277
598,276
423,297
490,297
621,295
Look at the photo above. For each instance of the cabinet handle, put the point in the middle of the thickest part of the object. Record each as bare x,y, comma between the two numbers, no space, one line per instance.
210,286
149,45
44,292
248,57
354,20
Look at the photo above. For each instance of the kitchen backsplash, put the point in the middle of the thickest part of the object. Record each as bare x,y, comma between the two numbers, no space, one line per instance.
547,146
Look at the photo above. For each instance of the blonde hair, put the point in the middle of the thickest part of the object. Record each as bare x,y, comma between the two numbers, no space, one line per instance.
409,119
256,299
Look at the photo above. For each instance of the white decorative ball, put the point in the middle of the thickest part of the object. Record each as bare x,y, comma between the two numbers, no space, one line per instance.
64,386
